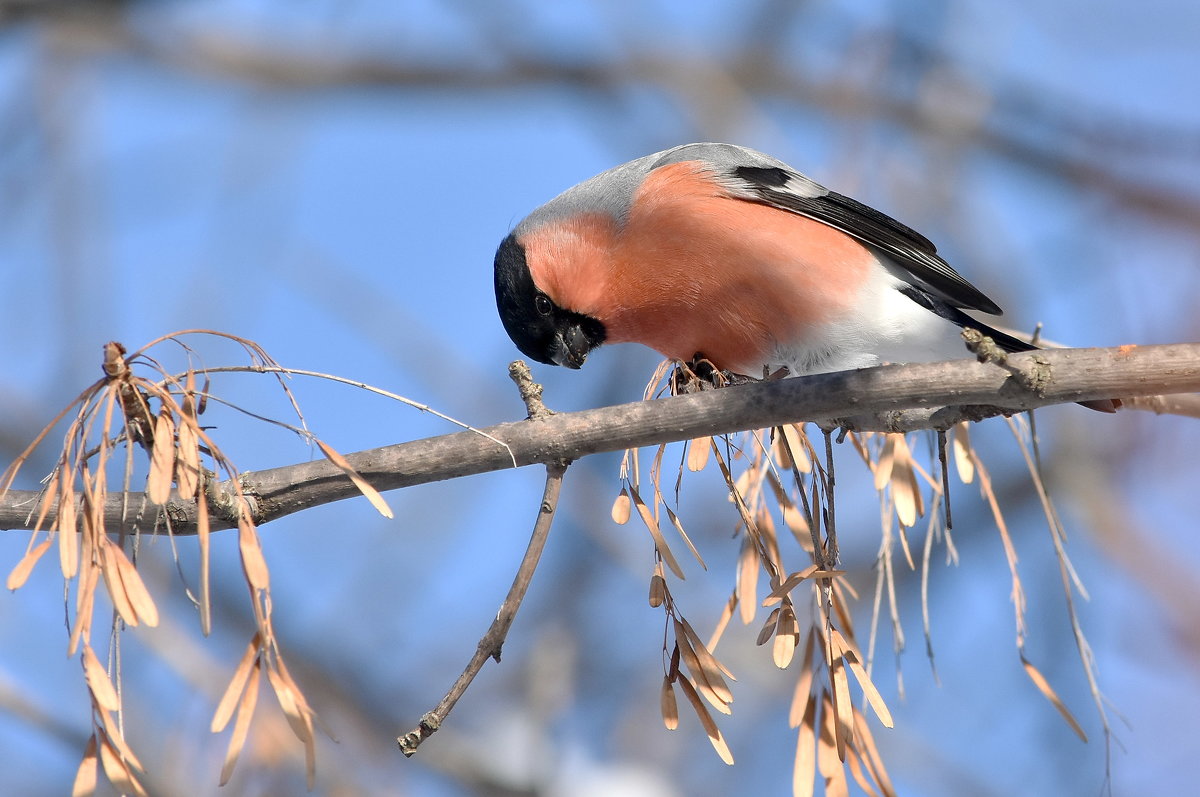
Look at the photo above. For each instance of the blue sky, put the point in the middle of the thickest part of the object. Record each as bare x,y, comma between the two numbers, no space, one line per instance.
350,229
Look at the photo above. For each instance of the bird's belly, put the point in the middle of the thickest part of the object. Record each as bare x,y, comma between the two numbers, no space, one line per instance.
884,326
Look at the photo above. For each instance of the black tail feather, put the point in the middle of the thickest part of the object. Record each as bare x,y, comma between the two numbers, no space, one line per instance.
1002,339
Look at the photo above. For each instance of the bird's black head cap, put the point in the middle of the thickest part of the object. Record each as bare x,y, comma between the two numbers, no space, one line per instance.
541,329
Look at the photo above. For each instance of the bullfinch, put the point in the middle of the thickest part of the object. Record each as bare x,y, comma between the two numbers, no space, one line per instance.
727,253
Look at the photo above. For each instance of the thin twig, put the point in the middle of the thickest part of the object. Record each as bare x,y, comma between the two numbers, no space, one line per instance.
831,543
814,528
943,461
278,369
491,643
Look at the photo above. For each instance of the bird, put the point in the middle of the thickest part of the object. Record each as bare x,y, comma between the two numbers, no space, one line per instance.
721,252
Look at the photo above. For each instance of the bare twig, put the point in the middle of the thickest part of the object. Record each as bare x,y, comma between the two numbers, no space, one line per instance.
831,543
531,392
278,369
491,643
945,477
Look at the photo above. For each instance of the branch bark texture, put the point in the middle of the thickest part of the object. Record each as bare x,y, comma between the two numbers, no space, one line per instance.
888,398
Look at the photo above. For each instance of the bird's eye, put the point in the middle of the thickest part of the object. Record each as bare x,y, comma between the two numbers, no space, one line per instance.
543,304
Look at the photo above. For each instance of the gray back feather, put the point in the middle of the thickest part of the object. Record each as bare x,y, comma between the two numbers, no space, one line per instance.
611,192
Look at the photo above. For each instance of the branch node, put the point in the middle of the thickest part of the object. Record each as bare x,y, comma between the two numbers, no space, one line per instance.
531,392
1035,376
410,741
984,348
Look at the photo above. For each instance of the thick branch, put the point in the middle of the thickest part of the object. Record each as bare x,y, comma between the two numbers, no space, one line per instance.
869,398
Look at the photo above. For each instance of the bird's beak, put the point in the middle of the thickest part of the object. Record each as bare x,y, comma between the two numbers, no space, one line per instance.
572,348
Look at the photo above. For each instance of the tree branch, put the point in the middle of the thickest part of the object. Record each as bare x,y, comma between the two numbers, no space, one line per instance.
89,27
888,398
491,643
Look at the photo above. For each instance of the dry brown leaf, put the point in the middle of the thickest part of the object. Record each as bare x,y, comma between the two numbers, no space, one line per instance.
49,495
253,563
668,705
804,771
883,466
299,715
292,702
135,588
621,508
802,694
366,489
790,583
237,683
792,517
310,762
902,533
698,451
87,774
204,546
710,727
188,406
742,484
874,762
963,461
310,716
113,582
67,524
766,531
20,574
722,622
162,458
860,777
829,764
202,405
688,540
708,682
779,448
658,589
797,446
116,770
1010,551
241,727
1048,692
660,542
768,629
869,691
702,650
187,464
786,638
98,681
656,475
93,501
841,647
842,707
118,741
89,578
747,581
905,490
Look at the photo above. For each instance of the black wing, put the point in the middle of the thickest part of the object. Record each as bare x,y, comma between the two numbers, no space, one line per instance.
906,248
